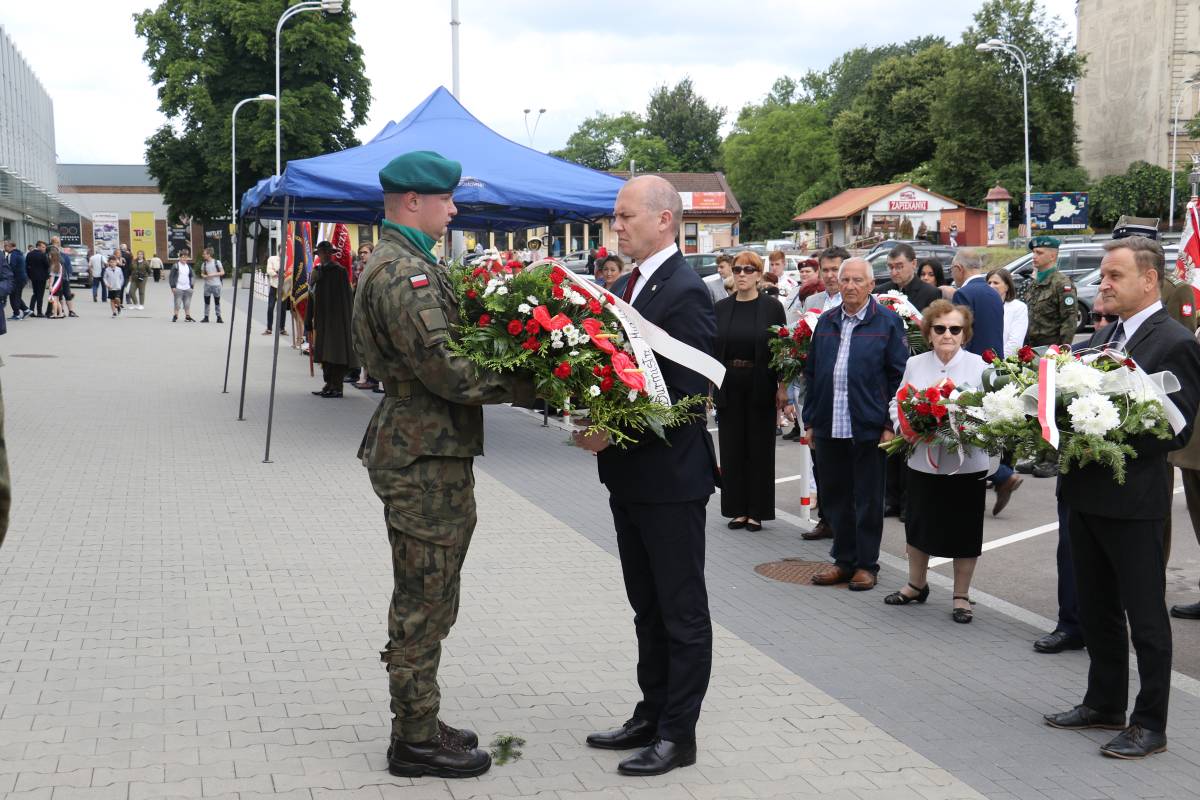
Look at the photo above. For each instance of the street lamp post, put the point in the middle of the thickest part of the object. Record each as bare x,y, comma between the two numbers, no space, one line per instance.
1175,148
233,225
537,119
329,7
1018,55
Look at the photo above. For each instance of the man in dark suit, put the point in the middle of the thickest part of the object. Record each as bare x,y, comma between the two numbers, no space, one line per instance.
658,492
1117,530
902,264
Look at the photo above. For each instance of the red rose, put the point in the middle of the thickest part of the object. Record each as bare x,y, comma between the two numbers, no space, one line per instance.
989,356
530,344
1129,363
472,294
557,276
938,411
515,327
946,387
932,394
1026,354
515,266
606,384
607,371
924,409
497,268
598,371
532,327
783,333
902,395
562,371
478,271
594,306
484,320
558,293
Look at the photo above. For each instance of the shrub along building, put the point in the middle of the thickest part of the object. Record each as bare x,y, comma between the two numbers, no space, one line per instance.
872,212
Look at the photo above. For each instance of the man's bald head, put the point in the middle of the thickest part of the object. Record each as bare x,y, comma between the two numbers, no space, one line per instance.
647,216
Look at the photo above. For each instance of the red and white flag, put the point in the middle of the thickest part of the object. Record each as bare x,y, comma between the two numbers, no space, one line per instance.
1188,265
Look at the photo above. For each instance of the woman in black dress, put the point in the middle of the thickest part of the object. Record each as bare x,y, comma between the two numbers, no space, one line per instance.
746,401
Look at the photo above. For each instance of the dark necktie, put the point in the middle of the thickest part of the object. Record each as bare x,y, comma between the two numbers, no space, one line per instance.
1118,337
630,284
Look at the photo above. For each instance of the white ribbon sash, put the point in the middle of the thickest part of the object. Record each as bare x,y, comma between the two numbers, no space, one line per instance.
645,339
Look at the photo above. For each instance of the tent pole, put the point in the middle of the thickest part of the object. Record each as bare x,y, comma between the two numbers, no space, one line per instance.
246,348
233,309
275,358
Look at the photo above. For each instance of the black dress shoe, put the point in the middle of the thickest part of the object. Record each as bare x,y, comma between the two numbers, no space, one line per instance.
1189,611
753,527
1081,717
634,733
736,524
331,393
1057,641
1135,742
659,757
822,531
320,392
891,511
440,757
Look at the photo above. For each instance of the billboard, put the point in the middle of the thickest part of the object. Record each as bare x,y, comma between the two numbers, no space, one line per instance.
179,237
141,233
70,233
106,232
703,201
1059,211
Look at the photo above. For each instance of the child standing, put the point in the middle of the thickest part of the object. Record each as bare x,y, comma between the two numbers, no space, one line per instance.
114,279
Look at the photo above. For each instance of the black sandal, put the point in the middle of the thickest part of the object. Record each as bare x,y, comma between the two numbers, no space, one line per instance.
901,599
963,615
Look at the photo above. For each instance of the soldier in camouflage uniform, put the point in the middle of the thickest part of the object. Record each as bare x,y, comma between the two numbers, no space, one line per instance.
1053,315
418,448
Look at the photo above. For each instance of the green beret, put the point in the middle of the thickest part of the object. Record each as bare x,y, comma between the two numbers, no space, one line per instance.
1044,241
421,171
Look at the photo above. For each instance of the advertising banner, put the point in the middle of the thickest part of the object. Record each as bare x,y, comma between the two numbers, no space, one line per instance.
703,201
70,233
997,222
141,233
179,237
1059,211
106,232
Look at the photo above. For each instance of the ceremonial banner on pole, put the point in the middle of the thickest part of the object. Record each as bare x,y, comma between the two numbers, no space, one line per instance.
141,233
1188,265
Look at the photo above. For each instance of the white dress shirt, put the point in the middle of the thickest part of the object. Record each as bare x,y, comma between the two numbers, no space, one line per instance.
1016,325
647,267
925,370
1132,324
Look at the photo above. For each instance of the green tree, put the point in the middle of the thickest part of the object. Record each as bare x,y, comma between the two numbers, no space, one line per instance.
607,142
206,55
687,124
1143,191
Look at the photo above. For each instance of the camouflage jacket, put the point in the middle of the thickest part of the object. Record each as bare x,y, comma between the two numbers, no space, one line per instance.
1180,300
404,314
1053,310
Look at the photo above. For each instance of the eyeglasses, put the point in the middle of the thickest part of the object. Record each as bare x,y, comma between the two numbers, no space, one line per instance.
1109,318
955,330
739,270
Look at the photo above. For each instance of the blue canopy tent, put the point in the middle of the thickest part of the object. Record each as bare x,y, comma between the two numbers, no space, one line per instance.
505,186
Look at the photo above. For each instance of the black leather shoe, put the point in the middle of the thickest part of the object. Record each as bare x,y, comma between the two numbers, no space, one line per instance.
736,524
1189,611
1135,742
463,737
1047,469
822,531
634,733
439,757
1081,717
794,434
661,756
1057,641
1024,467
331,393
891,511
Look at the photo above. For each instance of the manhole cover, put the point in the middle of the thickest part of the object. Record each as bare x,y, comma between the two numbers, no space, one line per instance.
791,570
31,355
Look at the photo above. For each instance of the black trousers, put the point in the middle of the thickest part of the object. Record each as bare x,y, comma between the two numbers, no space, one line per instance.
852,499
1119,570
895,470
333,375
662,560
15,301
39,292
272,297
1068,597
746,433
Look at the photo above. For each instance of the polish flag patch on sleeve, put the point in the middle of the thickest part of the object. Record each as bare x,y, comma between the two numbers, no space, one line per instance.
419,281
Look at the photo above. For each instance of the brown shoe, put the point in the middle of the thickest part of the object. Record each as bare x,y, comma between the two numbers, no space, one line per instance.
830,575
821,531
862,580
1004,492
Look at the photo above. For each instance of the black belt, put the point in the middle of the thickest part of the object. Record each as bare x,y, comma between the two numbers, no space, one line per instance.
739,363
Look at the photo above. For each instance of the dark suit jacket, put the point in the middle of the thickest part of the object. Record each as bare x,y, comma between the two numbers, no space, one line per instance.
768,311
683,467
918,292
988,311
37,266
1159,344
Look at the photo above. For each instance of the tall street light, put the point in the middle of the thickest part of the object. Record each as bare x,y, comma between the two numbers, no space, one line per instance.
1175,146
329,7
233,209
537,119
1018,55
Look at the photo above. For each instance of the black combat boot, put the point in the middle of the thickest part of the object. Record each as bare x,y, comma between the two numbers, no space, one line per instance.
462,736
441,757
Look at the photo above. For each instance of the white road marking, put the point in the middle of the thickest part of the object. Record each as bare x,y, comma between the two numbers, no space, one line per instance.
789,478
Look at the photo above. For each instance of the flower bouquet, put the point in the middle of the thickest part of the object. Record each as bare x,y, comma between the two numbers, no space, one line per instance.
937,416
897,302
789,347
563,331
1085,405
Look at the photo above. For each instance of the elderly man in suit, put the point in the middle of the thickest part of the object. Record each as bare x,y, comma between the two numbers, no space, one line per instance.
855,364
1117,529
658,491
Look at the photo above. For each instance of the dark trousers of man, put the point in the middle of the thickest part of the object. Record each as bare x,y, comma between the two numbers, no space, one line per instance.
852,476
1191,493
1120,572
15,301
272,298
333,374
896,468
39,292
662,559
1068,599
99,290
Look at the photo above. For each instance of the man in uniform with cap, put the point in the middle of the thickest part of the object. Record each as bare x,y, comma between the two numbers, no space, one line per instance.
419,448
1053,314
327,319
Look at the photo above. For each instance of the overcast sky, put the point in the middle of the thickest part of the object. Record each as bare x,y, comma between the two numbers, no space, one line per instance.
571,58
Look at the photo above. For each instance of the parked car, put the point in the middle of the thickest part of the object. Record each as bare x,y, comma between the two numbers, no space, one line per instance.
1088,286
576,261
705,264
878,259
887,244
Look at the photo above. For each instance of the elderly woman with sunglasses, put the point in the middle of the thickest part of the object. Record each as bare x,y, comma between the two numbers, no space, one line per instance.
945,491
746,401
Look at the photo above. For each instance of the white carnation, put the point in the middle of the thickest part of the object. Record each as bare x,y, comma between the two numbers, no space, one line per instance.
632,395
524,308
569,329
578,299
532,300
557,344
1077,378
1003,405
1093,414
594,390
502,290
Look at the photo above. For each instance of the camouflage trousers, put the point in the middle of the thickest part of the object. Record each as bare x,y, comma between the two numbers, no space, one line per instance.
429,507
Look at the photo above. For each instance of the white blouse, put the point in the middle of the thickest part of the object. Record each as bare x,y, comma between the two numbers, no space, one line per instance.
923,371
1016,324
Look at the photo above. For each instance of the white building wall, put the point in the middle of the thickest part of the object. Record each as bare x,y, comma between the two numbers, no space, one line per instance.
120,204
26,120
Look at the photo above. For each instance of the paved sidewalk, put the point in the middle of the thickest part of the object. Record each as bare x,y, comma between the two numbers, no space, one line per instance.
179,619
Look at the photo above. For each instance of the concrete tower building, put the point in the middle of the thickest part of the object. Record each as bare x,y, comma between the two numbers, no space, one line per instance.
1139,52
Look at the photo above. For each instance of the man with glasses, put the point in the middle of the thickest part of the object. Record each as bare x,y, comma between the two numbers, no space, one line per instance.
902,264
